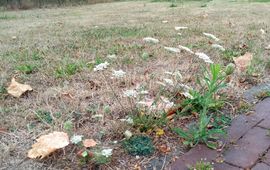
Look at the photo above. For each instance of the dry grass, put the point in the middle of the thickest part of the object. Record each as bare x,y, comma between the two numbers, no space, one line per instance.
51,39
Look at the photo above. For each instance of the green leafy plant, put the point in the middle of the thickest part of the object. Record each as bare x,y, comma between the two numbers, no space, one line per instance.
147,122
203,101
139,145
44,116
205,97
27,68
200,133
201,165
67,70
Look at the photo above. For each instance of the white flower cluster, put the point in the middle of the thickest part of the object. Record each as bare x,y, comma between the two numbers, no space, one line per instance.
131,93
211,36
107,152
119,74
75,139
205,57
101,66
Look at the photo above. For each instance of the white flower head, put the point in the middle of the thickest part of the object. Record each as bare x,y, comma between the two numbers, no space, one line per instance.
128,134
112,56
180,28
172,49
186,49
75,139
211,36
101,66
143,92
177,74
262,31
151,40
107,152
130,93
204,57
217,46
129,120
119,73
169,82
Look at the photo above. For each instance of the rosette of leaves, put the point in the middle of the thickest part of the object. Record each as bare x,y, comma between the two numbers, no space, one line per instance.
139,145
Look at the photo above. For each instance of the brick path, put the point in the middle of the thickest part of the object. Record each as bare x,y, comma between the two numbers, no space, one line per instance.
247,145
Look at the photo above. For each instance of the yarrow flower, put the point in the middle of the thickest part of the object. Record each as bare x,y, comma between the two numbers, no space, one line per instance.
107,152
186,49
180,28
112,56
76,139
172,49
150,40
130,93
119,73
101,66
218,47
211,36
169,82
204,57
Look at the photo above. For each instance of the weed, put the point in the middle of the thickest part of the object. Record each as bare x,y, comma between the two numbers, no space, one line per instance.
201,165
68,126
229,54
200,133
139,145
67,70
203,101
148,122
213,81
7,17
44,116
27,68
263,95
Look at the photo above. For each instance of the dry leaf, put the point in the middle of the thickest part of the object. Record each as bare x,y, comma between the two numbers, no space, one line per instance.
243,62
89,143
164,148
16,89
47,144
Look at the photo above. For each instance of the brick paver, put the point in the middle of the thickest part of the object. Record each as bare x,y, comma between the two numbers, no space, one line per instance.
240,125
266,158
248,141
194,155
249,148
261,166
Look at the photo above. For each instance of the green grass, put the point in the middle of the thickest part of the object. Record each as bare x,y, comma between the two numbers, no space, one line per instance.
67,70
120,32
7,17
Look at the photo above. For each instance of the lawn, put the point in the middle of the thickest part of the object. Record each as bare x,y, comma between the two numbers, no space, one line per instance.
55,51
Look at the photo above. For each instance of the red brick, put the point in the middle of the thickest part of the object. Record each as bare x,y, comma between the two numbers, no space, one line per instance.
262,109
248,149
194,155
240,125
261,166
225,166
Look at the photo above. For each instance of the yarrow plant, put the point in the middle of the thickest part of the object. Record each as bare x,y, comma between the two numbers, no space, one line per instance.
101,66
119,74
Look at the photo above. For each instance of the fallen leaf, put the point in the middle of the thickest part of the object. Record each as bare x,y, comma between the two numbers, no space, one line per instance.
160,132
17,89
243,62
89,143
47,144
164,148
